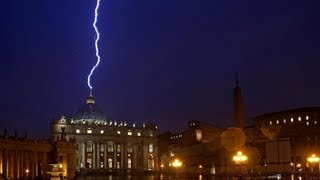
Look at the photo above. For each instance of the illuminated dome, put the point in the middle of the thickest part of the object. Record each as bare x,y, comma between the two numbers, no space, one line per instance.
89,113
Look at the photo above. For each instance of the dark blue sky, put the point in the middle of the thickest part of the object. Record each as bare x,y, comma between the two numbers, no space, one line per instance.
167,61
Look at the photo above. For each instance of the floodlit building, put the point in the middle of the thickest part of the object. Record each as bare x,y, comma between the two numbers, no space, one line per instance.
26,158
108,144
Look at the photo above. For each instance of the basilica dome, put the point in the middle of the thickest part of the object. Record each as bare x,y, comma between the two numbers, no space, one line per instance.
89,113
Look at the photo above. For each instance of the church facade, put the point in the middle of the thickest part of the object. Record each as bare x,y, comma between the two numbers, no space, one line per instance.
108,145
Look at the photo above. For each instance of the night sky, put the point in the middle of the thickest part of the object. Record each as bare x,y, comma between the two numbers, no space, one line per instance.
165,61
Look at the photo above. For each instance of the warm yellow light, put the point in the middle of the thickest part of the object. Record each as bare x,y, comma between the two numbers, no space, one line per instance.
162,165
240,158
313,159
200,166
60,165
176,163
27,170
299,165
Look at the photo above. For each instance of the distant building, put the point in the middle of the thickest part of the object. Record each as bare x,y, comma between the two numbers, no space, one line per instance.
108,144
200,146
300,126
275,143
25,158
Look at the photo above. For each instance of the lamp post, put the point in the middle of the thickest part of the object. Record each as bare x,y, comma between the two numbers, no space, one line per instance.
313,159
176,164
240,159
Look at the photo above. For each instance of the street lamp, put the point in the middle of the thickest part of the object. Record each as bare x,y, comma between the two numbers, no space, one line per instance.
313,159
176,163
240,159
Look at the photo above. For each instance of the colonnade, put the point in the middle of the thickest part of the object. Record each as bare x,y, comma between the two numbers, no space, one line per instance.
114,155
16,164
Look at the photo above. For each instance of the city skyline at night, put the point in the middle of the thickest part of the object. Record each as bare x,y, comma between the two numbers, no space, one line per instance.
166,62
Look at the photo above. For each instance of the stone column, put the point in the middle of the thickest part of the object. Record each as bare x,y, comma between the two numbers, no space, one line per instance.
98,155
114,156
20,164
125,156
15,165
10,163
26,163
36,163
145,156
105,157
33,169
22,167
5,163
121,155
94,152
134,155
155,157
83,155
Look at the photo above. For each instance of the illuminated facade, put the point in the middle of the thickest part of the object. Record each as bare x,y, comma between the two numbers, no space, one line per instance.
25,158
108,144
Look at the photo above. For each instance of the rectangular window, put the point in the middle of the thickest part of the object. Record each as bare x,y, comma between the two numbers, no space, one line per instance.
77,131
118,148
139,134
102,131
129,163
101,147
89,131
110,147
129,148
198,135
89,146
119,132
109,162
129,133
150,148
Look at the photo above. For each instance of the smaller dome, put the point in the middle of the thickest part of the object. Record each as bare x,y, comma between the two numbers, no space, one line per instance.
89,113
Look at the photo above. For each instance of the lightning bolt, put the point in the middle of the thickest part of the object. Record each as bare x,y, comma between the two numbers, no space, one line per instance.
96,43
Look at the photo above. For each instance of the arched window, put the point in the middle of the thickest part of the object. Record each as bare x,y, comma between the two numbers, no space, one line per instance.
109,162
129,163
110,146
118,148
129,148
151,148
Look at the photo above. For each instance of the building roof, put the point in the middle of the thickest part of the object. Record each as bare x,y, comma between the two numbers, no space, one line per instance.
89,113
288,111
